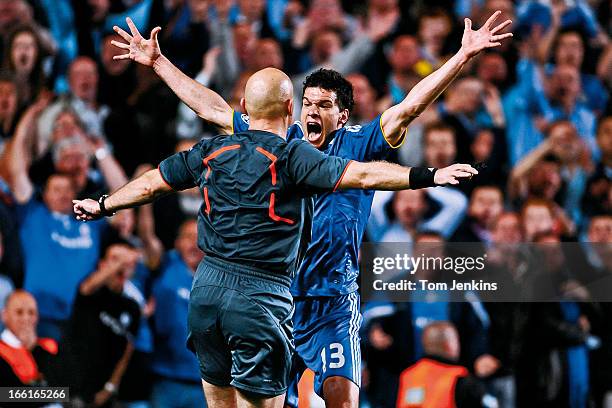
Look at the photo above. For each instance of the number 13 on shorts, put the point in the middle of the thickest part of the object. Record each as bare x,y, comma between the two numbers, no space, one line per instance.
334,354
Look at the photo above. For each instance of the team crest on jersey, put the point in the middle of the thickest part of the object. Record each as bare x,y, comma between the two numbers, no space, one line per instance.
245,118
353,129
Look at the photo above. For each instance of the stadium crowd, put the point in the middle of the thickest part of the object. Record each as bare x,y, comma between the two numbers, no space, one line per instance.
102,306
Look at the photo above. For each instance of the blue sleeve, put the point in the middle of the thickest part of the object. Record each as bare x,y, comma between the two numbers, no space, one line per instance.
184,169
312,170
368,142
240,122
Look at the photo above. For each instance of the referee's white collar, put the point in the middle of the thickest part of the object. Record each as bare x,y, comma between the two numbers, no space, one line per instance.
10,339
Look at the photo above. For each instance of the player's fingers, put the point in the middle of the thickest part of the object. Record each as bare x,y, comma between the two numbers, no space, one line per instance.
453,180
492,19
493,45
122,33
501,26
154,33
468,24
501,37
133,28
120,45
121,57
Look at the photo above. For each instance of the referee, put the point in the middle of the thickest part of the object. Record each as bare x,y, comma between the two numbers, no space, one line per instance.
250,227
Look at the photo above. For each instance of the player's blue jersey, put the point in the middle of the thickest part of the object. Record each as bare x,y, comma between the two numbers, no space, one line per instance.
329,266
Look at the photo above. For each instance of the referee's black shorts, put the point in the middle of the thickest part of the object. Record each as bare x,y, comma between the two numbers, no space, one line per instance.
240,327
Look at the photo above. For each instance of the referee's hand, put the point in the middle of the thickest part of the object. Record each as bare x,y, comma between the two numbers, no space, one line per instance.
87,210
453,174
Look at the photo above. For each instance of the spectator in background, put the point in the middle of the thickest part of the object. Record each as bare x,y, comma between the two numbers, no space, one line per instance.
468,107
389,12
492,69
175,209
267,53
407,69
8,107
395,330
6,280
554,365
569,153
567,48
26,360
364,96
434,27
596,199
137,380
58,250
540,216
600,260
15,13
11,260
117,81
178,375
507,262
188,123
24,60
95,365
396,217
538,100
187,33
560,14
83,99
563,94
323,16
486,204
253,12
436,379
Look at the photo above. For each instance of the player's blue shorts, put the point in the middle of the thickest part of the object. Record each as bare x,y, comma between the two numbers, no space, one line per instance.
326,333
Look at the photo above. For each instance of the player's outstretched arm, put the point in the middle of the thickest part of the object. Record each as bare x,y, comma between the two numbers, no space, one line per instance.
209,105
389,176
141,190
398,117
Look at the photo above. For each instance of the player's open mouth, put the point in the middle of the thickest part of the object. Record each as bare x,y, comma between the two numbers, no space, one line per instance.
313,131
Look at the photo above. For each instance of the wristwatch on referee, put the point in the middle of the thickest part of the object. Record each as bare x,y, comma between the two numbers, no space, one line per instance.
103,211
110,387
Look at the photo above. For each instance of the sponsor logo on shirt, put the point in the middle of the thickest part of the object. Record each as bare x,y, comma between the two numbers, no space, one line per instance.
183,293
83,241
117,326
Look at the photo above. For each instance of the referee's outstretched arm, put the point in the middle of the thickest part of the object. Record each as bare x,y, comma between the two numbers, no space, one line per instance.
141,190
388,176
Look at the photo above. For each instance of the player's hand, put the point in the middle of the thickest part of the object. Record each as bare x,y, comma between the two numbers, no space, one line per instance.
453,174
486,37
138,49
86,210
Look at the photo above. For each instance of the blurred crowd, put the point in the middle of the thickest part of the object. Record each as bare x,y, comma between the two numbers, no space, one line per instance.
102,306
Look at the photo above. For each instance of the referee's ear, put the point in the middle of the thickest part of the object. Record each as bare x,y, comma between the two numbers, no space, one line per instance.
290,108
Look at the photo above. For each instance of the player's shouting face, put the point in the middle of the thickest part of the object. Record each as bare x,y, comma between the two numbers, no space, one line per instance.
326,105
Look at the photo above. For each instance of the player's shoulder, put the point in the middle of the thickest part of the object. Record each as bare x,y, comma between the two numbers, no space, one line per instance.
362,128
295,131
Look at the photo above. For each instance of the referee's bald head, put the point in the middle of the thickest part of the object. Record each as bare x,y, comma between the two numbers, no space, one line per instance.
268,95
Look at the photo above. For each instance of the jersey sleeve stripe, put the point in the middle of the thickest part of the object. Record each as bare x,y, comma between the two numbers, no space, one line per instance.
402,138
342,175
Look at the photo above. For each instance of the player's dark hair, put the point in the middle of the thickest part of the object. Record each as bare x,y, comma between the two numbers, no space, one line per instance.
332,81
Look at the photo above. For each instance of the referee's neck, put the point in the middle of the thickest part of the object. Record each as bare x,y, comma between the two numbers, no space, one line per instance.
276,126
